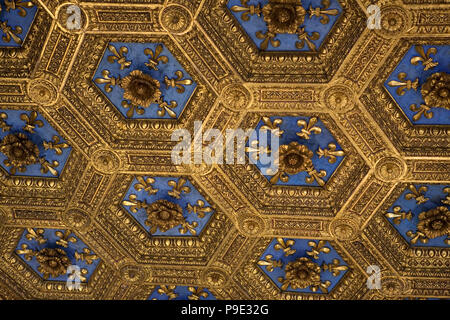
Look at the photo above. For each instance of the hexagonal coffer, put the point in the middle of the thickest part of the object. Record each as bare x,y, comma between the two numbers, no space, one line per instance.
55,254
144,80
30,146
308,154
167,206
286,25
302,265
422,215
420,84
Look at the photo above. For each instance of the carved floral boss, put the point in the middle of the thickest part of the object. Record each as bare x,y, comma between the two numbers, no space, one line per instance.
422,215
144,81
421,84
16,17
50,252
285,25
30,146
303,265
308,153
167,206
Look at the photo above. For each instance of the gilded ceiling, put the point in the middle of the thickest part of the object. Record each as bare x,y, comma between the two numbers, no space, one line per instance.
91,92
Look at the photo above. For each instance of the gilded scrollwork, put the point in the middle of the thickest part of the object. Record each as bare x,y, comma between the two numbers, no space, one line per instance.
85,138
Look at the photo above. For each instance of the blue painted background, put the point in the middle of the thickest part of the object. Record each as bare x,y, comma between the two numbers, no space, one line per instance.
257,23
44,133
162,194
49,234
441,116
301,246
436,195
321,140
138,58
14,20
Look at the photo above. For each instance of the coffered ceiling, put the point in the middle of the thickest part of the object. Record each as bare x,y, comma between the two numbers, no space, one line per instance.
88,188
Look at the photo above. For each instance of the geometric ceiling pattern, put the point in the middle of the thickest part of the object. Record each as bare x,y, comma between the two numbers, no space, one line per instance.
90,98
